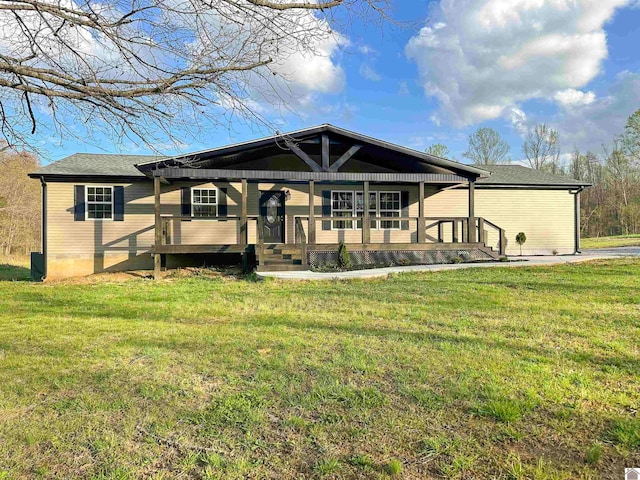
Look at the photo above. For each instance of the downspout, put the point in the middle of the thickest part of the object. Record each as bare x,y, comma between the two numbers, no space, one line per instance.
44,227
576,203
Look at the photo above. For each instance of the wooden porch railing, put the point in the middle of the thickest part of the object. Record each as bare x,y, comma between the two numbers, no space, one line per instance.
459,228
168,220
300,239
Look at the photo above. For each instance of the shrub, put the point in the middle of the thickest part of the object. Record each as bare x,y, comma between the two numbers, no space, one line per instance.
344,257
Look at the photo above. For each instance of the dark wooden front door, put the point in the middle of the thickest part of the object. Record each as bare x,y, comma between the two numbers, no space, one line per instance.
272,213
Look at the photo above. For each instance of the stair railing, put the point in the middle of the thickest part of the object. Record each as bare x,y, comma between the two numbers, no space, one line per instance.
301,239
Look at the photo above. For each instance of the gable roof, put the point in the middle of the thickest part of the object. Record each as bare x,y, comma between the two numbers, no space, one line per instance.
280,140
519,175
131,166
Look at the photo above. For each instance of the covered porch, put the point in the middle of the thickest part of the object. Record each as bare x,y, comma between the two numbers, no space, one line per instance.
310,233
293,198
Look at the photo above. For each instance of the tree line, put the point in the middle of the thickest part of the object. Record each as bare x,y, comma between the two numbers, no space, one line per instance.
611,206
19,204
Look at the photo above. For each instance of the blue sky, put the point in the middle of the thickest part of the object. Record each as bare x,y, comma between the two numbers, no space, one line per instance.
457,65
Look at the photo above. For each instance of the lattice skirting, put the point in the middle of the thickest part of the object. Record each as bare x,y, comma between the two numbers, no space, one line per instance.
398,257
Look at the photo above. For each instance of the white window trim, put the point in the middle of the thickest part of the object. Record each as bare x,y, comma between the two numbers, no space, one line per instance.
365,204
217,190
399,217
353,222
86,203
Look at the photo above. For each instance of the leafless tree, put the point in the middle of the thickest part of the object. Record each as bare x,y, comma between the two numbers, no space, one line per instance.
542,148
142,66
486,147
439,150
19,204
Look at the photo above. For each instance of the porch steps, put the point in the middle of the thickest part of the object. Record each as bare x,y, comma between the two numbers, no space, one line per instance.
281,258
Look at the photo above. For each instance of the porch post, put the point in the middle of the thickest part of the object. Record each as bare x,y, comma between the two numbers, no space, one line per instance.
243,214
472,212
312,213
158,227
366,222
422,230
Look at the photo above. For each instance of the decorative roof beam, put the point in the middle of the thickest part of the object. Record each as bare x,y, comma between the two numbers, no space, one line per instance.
345,158
302,155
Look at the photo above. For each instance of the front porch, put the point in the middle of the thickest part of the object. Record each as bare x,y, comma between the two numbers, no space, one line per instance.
415,239
292,199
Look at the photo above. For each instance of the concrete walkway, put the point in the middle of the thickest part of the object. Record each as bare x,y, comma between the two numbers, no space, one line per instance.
525,261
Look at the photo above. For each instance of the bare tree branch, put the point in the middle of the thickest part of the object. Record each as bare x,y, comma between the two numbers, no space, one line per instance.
144,66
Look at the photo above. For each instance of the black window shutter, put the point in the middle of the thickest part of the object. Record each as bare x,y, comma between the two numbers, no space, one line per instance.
185,201
79,205
404,203
326,208
222,202
118,204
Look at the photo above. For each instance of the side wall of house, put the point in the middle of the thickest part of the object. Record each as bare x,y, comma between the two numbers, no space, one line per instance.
91,246
547,217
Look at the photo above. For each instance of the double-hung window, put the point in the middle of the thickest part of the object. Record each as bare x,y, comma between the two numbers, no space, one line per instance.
342,205
100,203
351,204
204,202
389,205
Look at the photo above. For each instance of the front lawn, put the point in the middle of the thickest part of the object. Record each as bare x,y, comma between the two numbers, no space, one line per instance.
483,373
611,242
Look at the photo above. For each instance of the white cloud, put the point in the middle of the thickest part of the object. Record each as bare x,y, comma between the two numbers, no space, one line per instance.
574,98
368,73
482,58
520,121
588,126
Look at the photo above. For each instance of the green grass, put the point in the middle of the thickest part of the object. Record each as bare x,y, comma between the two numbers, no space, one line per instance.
610,242
14,269
483,373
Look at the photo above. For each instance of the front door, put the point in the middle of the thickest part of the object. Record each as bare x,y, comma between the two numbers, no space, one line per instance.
272,213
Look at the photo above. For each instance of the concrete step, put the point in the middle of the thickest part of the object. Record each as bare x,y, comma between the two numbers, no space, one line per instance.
281,261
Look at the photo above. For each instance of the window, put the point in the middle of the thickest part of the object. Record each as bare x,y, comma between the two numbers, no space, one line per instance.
373,208
100,202
351,204
204,202
389,206
342,205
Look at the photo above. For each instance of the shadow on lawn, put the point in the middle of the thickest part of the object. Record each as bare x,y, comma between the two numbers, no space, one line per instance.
14,273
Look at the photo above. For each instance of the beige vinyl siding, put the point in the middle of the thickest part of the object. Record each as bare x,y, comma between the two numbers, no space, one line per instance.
74,248
545,216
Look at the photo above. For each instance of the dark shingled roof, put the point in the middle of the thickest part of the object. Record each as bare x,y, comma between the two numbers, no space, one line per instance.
91,164
521,175
96,164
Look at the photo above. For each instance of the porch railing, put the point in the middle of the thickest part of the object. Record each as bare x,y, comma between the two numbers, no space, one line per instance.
452,229
301,239
167,226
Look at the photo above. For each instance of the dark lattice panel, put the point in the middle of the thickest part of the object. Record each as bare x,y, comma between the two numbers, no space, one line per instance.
398,257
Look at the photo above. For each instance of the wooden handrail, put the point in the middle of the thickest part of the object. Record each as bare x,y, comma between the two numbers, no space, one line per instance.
300,236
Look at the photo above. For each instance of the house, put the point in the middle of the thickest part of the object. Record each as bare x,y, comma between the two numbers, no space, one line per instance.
288,200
